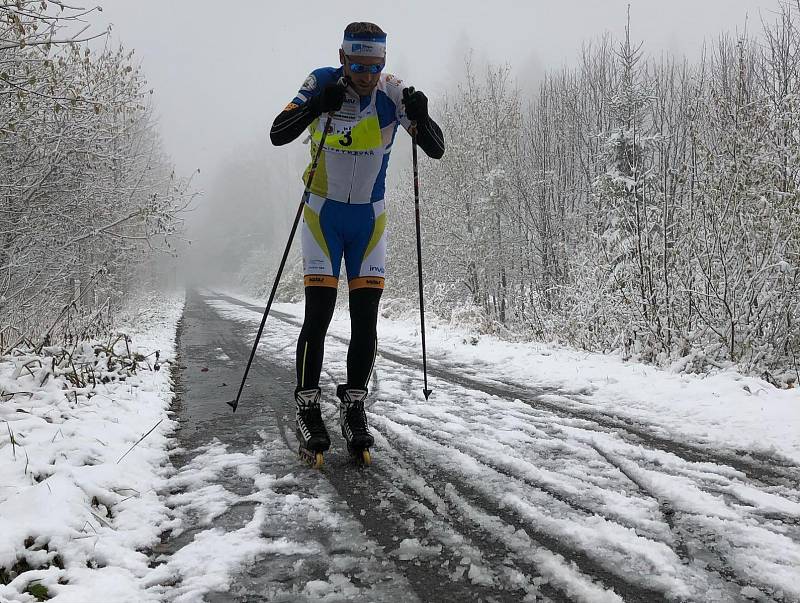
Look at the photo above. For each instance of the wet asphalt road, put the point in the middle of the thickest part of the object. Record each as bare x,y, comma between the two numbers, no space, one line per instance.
385,509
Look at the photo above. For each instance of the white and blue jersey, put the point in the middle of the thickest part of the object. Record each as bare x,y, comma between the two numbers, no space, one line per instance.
352,166
344,215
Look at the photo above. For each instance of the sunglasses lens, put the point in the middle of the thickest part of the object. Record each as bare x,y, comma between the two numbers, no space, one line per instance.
361,68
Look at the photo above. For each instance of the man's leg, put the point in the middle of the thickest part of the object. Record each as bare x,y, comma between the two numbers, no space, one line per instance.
360,361
320,302
363,335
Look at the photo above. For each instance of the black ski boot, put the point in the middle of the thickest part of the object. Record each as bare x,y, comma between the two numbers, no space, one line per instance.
310,428
353,420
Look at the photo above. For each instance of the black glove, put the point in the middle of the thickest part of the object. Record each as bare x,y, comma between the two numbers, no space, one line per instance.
330,99
416,105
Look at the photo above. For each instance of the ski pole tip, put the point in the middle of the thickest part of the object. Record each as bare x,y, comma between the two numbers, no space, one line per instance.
427,393
233,404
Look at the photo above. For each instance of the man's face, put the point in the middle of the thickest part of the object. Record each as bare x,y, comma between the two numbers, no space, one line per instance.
363,83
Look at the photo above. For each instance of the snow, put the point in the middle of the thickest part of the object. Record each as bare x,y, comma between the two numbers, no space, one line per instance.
410,548
209,561
721,410
641,513
576,505
70,494
277,523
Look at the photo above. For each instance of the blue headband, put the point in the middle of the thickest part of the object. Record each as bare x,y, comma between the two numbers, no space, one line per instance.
364,45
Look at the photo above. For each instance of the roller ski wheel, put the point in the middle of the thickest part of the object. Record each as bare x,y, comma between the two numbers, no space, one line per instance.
361,457
314,458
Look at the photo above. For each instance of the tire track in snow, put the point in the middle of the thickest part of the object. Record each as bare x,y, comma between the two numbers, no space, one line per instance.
761,469
487,500
515,468
711,562
680,524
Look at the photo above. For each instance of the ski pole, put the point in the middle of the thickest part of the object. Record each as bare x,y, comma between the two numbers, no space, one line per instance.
234,403
425,389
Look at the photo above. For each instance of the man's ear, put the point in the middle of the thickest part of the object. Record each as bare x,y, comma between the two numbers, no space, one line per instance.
341,56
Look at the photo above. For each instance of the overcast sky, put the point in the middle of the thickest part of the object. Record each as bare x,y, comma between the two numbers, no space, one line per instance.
222,70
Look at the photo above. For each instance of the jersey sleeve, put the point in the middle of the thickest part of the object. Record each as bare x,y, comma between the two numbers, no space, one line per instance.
429,134
309,88
394,89
313,85
297,115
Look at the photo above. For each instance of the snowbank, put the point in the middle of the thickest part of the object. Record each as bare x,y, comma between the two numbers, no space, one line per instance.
78,494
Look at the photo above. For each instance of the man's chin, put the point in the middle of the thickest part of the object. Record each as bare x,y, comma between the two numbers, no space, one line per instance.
364,90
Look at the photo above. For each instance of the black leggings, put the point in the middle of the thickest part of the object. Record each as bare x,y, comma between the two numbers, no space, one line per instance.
320,302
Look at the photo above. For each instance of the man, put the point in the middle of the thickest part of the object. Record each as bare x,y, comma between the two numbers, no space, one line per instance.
344,216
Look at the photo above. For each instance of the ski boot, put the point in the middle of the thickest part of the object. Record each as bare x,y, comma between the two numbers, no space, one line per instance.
353,420
310,428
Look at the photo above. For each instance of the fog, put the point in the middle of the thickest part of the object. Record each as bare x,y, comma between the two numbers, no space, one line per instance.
222,71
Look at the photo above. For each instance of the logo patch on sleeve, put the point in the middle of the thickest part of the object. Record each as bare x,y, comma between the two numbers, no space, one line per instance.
291,107
393,80
310,84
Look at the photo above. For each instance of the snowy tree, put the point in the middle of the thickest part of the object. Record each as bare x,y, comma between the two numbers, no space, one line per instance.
88,194
636,204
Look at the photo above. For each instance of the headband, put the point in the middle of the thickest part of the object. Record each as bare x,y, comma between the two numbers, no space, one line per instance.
364,45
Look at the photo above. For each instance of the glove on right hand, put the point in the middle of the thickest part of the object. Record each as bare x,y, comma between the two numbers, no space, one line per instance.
416,104
330,99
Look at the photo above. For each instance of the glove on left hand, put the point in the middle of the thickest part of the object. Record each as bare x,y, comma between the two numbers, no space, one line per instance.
416,104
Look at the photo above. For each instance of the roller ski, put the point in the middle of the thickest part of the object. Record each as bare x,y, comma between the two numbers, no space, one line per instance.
310,428
353,420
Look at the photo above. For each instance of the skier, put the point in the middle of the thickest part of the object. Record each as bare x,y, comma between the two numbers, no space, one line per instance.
344,217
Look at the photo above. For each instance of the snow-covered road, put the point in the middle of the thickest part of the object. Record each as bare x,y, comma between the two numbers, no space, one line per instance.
491,490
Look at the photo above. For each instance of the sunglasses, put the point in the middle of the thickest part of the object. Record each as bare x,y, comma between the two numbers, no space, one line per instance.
361,68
